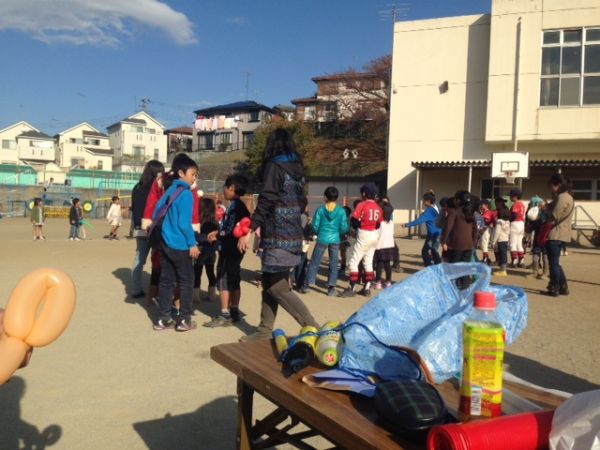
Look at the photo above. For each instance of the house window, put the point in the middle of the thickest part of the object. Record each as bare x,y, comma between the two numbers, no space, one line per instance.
150,130
156,153
226,138
100,165
72,140
9,144
138,129
586,189
570,72
247,139
309,112
329,110
138,150
254,116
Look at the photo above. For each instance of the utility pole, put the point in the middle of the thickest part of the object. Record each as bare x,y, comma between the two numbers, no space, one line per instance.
247,83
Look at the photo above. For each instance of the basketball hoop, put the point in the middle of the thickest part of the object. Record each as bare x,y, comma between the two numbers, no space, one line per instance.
509,176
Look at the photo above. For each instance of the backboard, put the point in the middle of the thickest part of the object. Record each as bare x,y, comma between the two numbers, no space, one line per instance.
510,165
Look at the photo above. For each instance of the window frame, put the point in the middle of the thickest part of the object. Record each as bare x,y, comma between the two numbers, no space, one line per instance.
594,191
581,76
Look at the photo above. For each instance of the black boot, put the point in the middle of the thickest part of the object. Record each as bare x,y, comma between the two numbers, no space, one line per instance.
552,291
563,289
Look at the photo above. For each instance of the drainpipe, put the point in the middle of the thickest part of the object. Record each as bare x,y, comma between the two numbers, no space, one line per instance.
517,88
470,178
417,197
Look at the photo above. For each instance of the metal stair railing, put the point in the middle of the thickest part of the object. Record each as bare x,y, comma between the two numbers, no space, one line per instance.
586,223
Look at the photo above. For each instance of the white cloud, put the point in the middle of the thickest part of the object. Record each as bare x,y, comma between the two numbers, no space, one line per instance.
95,22
237,20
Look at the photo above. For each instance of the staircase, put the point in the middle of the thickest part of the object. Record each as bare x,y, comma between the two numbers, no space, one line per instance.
585,226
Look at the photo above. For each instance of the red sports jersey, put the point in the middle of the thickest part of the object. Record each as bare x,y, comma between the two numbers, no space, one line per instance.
489,217
518,211
369,214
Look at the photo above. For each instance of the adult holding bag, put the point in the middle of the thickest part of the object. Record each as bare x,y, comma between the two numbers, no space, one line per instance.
558,229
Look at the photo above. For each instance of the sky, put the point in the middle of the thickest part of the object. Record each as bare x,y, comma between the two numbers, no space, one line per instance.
68,61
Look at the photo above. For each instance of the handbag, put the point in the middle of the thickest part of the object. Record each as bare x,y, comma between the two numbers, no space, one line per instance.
155,230
546,228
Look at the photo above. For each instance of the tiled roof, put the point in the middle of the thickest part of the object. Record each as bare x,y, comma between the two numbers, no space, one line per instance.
94,133
100,151
35,134
234,107
483,163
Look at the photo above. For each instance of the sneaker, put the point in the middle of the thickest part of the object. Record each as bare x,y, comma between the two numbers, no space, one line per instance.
378,286
365,292
186,325
258,335
347,293
521,264
43,238
71,239
397,269
218,321
388,284
540,276
76,239
303,289
140,294
235,314
331,292
501,273
163,324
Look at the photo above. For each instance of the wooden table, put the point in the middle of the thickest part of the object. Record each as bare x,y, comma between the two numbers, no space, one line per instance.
345,419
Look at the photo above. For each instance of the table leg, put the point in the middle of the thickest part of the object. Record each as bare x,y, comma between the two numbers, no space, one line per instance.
245,398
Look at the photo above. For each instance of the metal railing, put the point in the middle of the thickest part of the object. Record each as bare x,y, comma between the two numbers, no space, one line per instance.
585,223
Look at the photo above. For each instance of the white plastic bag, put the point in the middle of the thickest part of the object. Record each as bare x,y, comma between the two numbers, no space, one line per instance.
576,423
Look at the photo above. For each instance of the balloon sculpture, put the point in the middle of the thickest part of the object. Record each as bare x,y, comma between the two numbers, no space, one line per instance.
24,328
242,228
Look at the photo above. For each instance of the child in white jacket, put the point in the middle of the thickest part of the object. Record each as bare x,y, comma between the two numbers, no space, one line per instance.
501,238
114,218
384,255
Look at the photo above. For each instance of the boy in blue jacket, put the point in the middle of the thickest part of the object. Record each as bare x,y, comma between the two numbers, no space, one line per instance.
330,224
429,252
179,248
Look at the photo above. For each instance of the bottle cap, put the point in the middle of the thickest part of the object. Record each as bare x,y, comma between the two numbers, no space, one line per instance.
485,300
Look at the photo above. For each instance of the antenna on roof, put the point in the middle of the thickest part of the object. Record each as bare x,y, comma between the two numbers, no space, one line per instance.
394,12
247,83
144,104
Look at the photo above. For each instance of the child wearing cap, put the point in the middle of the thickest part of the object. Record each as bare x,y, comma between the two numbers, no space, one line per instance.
517,228
367,217
489,221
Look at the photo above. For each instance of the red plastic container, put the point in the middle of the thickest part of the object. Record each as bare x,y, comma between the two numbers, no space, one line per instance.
526,431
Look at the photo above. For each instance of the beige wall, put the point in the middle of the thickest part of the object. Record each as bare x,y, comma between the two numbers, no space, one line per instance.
427,125
76,150
125,137
534,122
10,134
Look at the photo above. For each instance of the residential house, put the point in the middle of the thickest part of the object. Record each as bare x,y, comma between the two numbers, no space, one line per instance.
136,140
342,96
525,77
228,127
83,147
178,140
23,144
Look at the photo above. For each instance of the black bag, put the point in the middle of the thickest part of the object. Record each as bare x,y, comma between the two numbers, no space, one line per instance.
155,230
410,407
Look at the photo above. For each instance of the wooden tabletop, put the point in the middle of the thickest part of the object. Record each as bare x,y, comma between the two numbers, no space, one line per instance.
349,420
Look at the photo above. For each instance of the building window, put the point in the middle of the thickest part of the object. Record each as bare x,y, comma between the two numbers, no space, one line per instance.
254,115
247,139
309,112
100,165
72,140
586,189
138,129
226,138
9,144
570,72
138,150
150,130
156,153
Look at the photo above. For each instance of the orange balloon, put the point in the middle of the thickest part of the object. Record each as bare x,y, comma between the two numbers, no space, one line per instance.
24,327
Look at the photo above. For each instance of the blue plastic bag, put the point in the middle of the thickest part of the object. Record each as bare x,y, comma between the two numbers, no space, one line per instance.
425,312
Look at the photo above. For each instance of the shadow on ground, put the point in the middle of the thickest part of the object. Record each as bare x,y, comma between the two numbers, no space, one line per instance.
211,426
123,274
14,431
545,376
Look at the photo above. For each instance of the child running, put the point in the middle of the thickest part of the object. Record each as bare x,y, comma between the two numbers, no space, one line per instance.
329,224
179,248
430,251
384,254
114,218
37,219
368,217
74,220
230,258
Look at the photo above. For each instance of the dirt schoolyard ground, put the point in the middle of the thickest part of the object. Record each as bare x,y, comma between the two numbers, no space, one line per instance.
111,382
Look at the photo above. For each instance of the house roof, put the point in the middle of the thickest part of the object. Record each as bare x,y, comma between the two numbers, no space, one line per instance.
484,163
234,107
76,126
127,120
180,130
94,133
35,135
344,76
22,122
100,151
305,100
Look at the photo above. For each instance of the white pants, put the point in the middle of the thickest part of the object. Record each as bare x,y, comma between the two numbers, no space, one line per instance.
484,242
363,248
517,230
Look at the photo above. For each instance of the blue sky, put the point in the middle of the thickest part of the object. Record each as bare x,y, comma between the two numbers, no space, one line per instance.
68,61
